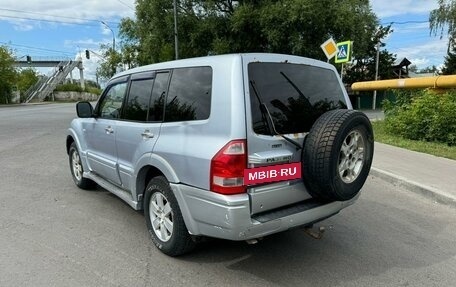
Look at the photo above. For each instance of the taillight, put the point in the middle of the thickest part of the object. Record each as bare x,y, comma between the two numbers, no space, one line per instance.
227,168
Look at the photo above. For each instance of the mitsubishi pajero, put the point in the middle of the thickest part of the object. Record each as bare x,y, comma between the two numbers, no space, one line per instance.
175,139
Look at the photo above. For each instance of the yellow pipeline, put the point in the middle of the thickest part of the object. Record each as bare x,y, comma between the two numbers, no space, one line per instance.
442,82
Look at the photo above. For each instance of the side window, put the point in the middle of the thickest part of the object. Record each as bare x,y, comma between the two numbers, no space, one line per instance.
111,103
158,97
189,96
138,100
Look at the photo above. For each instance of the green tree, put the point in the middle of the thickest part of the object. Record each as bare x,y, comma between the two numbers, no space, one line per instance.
449,66
8,74
444,19
364,64
413,68
429,69
92,84
226,26
110,61
25,79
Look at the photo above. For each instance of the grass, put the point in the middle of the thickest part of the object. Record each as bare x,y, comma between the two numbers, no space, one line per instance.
437,149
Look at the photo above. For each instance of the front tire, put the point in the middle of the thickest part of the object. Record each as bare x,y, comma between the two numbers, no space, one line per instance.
77,169
164,219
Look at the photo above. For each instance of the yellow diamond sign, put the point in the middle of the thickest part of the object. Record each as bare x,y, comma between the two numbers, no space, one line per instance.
329,47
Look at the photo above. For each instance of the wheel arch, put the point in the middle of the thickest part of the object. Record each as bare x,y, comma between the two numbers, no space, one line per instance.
156,166
145,174
69,141
72,137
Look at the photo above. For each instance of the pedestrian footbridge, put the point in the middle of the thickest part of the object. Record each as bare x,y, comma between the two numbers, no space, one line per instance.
47,84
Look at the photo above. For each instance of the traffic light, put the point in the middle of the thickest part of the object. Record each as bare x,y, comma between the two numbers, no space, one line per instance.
87,54
29,59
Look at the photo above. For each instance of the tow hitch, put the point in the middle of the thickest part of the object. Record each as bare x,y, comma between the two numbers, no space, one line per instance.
315,233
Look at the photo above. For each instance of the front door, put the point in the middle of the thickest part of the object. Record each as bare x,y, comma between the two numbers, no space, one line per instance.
101,133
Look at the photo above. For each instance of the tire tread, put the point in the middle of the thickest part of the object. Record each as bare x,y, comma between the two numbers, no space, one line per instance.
181,241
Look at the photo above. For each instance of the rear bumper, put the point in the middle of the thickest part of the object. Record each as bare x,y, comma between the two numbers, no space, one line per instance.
228,217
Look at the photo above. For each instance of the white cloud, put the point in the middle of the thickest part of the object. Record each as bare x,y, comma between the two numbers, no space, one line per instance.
23,27
90,66
420,62
67,12
105,31
70,11
411,39
411,28
390,8
86,43
424,54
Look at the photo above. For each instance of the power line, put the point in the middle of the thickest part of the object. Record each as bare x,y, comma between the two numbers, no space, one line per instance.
57,16
126,5
35,48
51,21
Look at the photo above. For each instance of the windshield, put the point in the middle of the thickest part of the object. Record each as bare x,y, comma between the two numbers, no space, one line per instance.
295,95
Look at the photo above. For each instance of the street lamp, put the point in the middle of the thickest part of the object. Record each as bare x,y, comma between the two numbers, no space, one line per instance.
113,36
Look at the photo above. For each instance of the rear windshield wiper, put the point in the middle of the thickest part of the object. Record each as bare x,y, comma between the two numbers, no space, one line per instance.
293,84
268,118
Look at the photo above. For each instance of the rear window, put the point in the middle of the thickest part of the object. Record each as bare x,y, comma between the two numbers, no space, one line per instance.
138,100
295,95
189,95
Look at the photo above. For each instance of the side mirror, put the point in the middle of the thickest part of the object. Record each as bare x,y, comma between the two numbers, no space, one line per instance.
84,110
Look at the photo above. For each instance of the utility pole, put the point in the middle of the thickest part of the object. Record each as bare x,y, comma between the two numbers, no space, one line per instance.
342,72
374,100
176,40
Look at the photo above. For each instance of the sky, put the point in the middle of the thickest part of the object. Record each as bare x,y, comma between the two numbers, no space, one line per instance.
56,28
411,36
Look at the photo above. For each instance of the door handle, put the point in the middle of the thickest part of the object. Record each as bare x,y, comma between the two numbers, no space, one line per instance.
109,130
147,134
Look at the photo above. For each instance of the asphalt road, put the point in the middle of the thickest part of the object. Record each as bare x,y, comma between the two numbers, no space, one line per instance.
53,234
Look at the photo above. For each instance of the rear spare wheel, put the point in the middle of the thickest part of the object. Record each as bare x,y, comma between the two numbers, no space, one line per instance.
337,155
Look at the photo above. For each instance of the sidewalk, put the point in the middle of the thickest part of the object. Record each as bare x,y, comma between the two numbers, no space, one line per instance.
431,176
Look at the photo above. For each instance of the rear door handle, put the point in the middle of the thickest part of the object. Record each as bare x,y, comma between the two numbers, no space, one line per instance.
109,130
147,134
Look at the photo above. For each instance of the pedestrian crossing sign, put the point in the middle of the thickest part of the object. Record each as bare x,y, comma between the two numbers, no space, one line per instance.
343,52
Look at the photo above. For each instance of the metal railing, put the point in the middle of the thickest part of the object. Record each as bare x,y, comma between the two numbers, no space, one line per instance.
46,85
45,59
28,95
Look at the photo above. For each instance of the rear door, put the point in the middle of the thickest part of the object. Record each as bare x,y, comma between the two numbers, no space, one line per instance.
142,116
295,95
100,132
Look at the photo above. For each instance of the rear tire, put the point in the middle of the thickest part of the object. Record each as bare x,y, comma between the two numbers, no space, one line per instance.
337,155
164,219
77,169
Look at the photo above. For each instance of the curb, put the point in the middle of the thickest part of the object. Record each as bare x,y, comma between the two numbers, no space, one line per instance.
24,104
426,191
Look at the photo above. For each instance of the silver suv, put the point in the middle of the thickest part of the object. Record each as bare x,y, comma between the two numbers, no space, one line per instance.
179,139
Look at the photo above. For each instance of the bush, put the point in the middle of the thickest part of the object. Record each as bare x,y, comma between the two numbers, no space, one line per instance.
423,115
77,88
68,88
93,90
